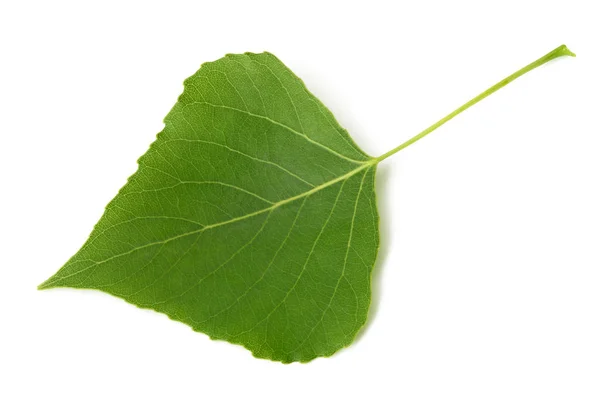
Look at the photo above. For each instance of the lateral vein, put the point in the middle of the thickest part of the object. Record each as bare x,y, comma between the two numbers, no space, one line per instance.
274,122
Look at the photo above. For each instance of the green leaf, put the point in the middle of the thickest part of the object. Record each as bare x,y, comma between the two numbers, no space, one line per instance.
252,217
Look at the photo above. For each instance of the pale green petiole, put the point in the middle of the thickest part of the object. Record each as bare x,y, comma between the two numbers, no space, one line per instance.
558,52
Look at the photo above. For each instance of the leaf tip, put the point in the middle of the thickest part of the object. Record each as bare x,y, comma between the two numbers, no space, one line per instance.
47,284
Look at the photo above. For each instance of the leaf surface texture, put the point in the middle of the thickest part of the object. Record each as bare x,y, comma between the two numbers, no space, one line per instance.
251,218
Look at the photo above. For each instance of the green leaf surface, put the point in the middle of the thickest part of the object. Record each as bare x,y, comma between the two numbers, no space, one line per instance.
252,217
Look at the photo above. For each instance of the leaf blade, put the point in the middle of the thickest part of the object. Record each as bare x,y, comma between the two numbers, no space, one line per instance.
236,219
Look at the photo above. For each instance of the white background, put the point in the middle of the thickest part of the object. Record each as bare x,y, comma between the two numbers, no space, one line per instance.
487,284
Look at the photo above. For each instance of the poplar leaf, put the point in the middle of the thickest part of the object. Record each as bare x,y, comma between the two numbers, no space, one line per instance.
252,217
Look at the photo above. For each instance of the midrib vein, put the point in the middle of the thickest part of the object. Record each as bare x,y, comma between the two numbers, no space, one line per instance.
280,203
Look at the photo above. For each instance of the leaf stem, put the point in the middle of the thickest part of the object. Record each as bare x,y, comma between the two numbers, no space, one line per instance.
558,52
